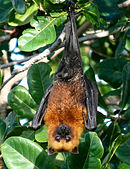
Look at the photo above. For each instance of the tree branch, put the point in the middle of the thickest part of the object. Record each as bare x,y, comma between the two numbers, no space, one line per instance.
5,91
100,54
119,118
124,4
83,28
15,62
98,35
44,54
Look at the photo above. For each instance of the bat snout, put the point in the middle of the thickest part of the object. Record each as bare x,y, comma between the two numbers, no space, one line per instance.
63,132
64,138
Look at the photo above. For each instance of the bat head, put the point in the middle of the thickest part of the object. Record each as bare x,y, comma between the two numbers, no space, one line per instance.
64,138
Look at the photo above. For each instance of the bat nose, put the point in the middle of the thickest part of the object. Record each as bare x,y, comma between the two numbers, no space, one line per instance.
63,130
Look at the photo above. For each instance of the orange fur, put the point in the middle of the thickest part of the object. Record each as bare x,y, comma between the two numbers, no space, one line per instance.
63,145
65,105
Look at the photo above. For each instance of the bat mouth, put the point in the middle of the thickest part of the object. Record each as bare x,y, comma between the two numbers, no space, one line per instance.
51,151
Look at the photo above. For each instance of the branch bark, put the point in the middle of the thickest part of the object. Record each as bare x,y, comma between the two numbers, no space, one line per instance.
14,63
5,91
120,118
83,28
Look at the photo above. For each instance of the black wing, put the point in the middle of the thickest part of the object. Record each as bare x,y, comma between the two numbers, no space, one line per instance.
38,120
91,91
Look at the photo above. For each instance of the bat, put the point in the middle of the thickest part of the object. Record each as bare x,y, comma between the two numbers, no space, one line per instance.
69,105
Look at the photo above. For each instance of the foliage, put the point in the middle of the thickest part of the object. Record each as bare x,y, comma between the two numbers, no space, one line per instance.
37,24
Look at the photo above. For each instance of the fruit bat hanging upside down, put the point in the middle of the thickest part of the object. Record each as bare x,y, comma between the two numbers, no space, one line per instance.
69,104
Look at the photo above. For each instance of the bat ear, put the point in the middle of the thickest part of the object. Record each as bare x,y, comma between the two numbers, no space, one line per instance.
75,150
51,151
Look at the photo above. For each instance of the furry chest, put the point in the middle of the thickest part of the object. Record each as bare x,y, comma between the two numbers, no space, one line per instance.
65,102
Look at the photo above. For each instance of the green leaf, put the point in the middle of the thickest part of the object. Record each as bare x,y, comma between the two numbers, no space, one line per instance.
116,92
19,6
127,113
51,6
11,121
16,131
21,102
120,47
108,9
123,152
43,34
90,152
100,117
124,166
101,102
90,74
38,2
112,73
91,12
39,80
41,135
126,83
23,132
2,130
57,1
116,143
127,45
29,133
4,45
125,127
5,7
16,19
21,153
121,22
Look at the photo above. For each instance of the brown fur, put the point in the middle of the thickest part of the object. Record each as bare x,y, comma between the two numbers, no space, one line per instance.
65,105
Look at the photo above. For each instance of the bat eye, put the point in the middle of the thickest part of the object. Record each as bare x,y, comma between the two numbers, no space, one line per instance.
57,138
68,138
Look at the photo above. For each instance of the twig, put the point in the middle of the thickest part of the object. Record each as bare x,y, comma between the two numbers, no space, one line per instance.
116,118
15,62
119,118
4,38
98,35
100,54
83,28
124,4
